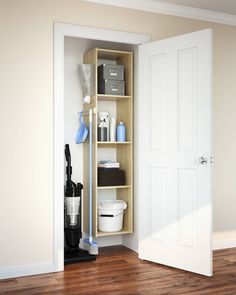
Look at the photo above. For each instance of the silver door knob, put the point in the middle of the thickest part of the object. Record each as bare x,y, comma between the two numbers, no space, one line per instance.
203,160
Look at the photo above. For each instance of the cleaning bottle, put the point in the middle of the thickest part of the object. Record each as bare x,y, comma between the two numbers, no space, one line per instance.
113,129
121,132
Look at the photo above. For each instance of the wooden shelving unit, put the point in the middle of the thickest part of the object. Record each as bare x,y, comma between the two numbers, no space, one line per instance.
124,150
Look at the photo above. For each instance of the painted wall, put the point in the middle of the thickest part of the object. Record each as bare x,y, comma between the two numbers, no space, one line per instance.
26,114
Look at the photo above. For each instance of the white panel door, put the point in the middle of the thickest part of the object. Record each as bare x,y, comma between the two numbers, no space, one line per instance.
175,205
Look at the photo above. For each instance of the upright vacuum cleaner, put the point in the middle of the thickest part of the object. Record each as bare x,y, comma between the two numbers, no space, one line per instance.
73,218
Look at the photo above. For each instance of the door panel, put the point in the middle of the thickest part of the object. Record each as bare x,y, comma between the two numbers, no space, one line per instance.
157,203
186,196
175,189
186,99
157,103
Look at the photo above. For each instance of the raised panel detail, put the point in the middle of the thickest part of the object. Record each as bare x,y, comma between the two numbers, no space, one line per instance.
157,203
187,97
187,207
157,93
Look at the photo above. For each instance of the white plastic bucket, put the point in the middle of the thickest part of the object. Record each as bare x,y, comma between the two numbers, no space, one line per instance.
110,215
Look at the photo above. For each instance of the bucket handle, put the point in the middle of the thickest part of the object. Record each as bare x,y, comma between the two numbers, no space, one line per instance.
110,215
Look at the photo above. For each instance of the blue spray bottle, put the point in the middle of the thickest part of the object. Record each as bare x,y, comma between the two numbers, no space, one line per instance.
121,132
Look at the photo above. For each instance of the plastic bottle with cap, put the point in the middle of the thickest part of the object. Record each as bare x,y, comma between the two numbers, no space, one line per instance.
113,129
121,132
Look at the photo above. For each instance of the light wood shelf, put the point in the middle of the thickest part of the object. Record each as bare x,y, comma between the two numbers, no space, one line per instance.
124,150
113,142
110,144
105,234
113,187
107,97
113,54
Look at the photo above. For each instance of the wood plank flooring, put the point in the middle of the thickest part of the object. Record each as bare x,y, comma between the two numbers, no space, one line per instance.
118,271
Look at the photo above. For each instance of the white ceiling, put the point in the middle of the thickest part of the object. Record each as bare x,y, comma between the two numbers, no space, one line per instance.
223,6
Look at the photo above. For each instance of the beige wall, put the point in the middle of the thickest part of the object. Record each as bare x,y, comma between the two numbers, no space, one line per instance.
26,114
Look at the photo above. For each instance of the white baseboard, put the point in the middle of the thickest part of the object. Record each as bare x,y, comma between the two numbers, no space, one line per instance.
224,240
221,240
26,270
224,244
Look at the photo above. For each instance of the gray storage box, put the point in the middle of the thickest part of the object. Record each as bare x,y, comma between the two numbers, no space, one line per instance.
112,87
111,72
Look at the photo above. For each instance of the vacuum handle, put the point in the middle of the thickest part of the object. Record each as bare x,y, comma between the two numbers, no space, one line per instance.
67,153
68,167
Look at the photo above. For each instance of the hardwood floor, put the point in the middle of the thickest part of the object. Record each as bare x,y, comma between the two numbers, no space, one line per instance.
118,271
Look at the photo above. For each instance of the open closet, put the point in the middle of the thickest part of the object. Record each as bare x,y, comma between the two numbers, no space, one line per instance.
164,160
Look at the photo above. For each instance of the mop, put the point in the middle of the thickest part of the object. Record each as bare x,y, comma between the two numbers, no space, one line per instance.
87,80
89,244
87,74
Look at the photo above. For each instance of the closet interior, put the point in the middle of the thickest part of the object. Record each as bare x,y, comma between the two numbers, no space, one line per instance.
112,155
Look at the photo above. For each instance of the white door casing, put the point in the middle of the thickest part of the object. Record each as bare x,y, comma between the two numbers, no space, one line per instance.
62,30
175,102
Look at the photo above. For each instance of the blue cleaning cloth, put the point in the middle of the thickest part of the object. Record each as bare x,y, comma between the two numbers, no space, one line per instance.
82,132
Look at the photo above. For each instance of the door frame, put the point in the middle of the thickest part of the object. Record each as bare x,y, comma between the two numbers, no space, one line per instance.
61,31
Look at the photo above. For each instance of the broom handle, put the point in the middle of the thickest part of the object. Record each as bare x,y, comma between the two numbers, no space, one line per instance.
90,175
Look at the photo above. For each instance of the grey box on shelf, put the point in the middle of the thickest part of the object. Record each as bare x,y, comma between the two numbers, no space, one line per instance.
112,87
111,72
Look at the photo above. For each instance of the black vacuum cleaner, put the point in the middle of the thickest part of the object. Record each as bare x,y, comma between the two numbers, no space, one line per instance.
72,218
